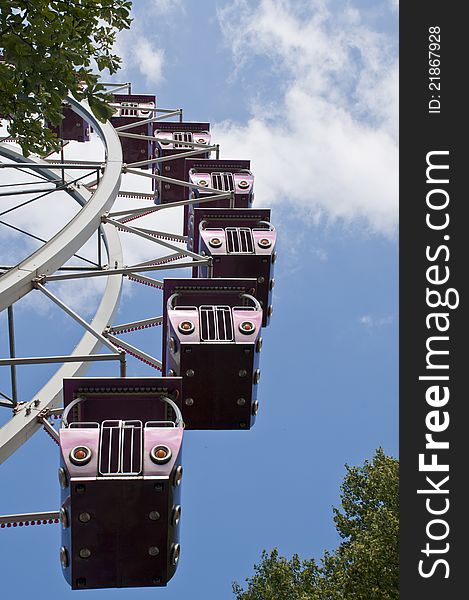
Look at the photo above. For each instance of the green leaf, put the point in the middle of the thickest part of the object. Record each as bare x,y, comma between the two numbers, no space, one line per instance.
49,53
365,566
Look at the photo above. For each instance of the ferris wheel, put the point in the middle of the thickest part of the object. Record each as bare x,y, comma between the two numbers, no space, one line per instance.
120,437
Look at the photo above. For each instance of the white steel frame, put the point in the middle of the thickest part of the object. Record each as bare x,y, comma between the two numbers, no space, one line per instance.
95,215
21,279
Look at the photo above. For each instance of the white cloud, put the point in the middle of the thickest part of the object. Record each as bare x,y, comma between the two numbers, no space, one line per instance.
149,60
138,51
165,7
330,145
372,321
82,296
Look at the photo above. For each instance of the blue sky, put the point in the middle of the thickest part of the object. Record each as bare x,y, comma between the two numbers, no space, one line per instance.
308,92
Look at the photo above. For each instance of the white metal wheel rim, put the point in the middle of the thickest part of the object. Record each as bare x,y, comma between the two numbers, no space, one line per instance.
17,282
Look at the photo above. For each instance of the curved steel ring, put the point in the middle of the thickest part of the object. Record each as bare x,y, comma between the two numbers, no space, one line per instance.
17,282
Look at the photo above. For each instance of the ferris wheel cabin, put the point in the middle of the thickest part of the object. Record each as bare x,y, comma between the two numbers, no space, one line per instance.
129,109
173,139
221,175
73,127
120,474
241,242
211,333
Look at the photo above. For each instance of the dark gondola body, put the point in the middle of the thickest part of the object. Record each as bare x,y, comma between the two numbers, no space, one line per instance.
120,474
221,175
242,243
170,138
212,340
132,108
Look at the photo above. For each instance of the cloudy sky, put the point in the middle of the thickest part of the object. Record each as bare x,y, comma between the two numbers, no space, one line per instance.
308,91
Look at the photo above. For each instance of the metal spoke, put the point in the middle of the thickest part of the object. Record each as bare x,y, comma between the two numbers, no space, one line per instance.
152,238
9,402
152,138
5,212
142,195
4,185
136,136
119,86
58,188
24,192
192,186
135,325
67,358
33,174
136,352
173,236
69,268
56,164
127,270
161,159
133,211
172,113
48,258
156,283
195,201
50,430
186,143
35,237
161,260
11,343
74,315
36,518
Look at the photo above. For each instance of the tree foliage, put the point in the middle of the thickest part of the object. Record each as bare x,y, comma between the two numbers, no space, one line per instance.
50,48
364,566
